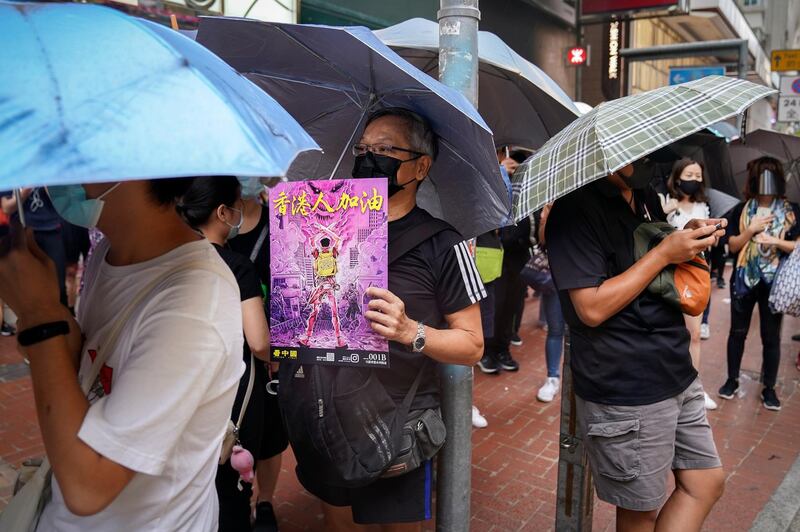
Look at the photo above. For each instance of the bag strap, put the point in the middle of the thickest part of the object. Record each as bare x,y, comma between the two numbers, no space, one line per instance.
247,393
414,236
116,329
412,392
260,242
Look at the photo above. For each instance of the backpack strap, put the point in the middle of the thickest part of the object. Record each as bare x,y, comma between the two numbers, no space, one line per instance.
260,242
414,236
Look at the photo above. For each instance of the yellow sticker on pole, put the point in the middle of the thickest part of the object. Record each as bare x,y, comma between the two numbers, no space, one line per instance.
783,60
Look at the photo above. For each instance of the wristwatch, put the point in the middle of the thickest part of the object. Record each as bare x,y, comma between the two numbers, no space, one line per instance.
40,333
419,340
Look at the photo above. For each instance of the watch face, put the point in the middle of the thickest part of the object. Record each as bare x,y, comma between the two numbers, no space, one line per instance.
419,343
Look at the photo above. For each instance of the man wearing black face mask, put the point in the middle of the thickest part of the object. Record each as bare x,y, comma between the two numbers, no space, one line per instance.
430,315
640,406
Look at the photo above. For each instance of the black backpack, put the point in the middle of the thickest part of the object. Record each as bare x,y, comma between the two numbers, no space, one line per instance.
343,425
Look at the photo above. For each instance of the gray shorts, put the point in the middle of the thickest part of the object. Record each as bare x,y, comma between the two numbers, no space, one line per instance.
632,449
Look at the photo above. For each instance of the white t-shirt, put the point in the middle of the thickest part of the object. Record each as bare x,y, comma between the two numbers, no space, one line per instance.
680,217
165,394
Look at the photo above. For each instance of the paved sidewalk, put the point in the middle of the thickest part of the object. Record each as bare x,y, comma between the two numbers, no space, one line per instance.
514,459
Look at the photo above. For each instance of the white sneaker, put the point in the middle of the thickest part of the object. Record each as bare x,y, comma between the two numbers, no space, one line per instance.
710,404
705,331
478,421
548,390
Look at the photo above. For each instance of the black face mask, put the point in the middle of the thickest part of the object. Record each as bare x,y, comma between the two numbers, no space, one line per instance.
642,175
371,165
689,187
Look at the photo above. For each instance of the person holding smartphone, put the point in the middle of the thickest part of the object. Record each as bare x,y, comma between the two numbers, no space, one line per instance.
761,230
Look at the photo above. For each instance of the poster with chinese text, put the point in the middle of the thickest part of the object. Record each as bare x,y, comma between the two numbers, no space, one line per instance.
328,244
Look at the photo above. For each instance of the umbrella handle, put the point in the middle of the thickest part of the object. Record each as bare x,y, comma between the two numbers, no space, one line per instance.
353,134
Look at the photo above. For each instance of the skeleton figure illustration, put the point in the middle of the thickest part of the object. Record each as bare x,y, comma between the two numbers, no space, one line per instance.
325,251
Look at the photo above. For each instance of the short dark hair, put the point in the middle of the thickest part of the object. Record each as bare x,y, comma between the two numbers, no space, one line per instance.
204,195
754,169
166,192
420,135
325,241
672,183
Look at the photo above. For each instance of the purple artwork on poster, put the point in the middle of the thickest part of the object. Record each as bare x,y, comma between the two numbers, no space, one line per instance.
328,244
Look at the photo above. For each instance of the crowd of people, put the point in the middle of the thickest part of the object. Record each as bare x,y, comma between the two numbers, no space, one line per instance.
173,317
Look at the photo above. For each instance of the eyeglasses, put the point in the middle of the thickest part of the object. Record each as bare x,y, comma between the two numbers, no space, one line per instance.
381,149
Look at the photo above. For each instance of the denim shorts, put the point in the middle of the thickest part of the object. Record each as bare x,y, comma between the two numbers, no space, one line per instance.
632,449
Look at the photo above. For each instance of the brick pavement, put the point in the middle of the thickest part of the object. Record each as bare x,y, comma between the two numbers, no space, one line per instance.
514,459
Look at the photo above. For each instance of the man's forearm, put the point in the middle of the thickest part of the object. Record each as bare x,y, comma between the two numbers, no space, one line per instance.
453,346
60,404
596,304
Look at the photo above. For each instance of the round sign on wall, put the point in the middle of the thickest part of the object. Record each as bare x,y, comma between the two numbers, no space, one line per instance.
796,86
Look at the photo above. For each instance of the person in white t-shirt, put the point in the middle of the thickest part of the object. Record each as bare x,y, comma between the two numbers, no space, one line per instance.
141,452
686,200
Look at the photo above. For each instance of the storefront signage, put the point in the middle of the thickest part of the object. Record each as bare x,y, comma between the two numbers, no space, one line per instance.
597,7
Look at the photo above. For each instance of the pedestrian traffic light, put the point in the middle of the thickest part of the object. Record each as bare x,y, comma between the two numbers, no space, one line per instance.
578,56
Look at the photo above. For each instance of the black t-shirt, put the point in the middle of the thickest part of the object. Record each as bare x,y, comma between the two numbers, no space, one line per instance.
40,215
244,244
436,278
249,287
641,354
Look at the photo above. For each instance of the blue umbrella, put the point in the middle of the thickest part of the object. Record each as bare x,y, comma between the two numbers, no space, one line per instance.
89,94
522,104
330,78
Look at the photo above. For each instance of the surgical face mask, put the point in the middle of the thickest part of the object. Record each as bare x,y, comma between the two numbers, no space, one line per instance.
234,229
251,187
72,205
768,184
689,187
371,165
642,174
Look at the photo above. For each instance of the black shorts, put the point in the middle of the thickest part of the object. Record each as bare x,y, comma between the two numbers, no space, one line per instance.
273,439
403,499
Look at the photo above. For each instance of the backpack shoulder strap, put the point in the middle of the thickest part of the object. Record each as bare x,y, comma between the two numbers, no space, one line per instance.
414,236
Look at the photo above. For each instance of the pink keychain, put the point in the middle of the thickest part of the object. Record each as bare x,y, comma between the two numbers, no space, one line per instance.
242,461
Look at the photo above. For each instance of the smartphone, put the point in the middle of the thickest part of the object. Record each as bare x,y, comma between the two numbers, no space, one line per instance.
718,226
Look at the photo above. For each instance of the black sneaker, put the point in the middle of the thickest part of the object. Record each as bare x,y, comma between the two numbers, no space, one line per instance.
516,340
506,362
728,390
720,283
7,330
488,364
796,337
265,518
770,399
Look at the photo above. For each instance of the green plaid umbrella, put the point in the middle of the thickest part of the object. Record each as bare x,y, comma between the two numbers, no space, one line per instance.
619,132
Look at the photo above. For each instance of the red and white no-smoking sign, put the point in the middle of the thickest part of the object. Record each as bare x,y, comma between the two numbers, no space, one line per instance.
789,99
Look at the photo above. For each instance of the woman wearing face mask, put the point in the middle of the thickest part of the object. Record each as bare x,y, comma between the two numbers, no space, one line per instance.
213,206
760,232
686,201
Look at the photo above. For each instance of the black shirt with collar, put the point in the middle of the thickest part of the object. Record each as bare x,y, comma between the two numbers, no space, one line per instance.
640,355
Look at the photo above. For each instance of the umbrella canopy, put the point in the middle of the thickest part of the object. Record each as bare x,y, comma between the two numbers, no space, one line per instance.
521,103
331,78
761,143
720,203
93,95
619,132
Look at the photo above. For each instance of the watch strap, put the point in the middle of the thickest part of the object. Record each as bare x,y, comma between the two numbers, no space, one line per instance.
42,332
420,336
